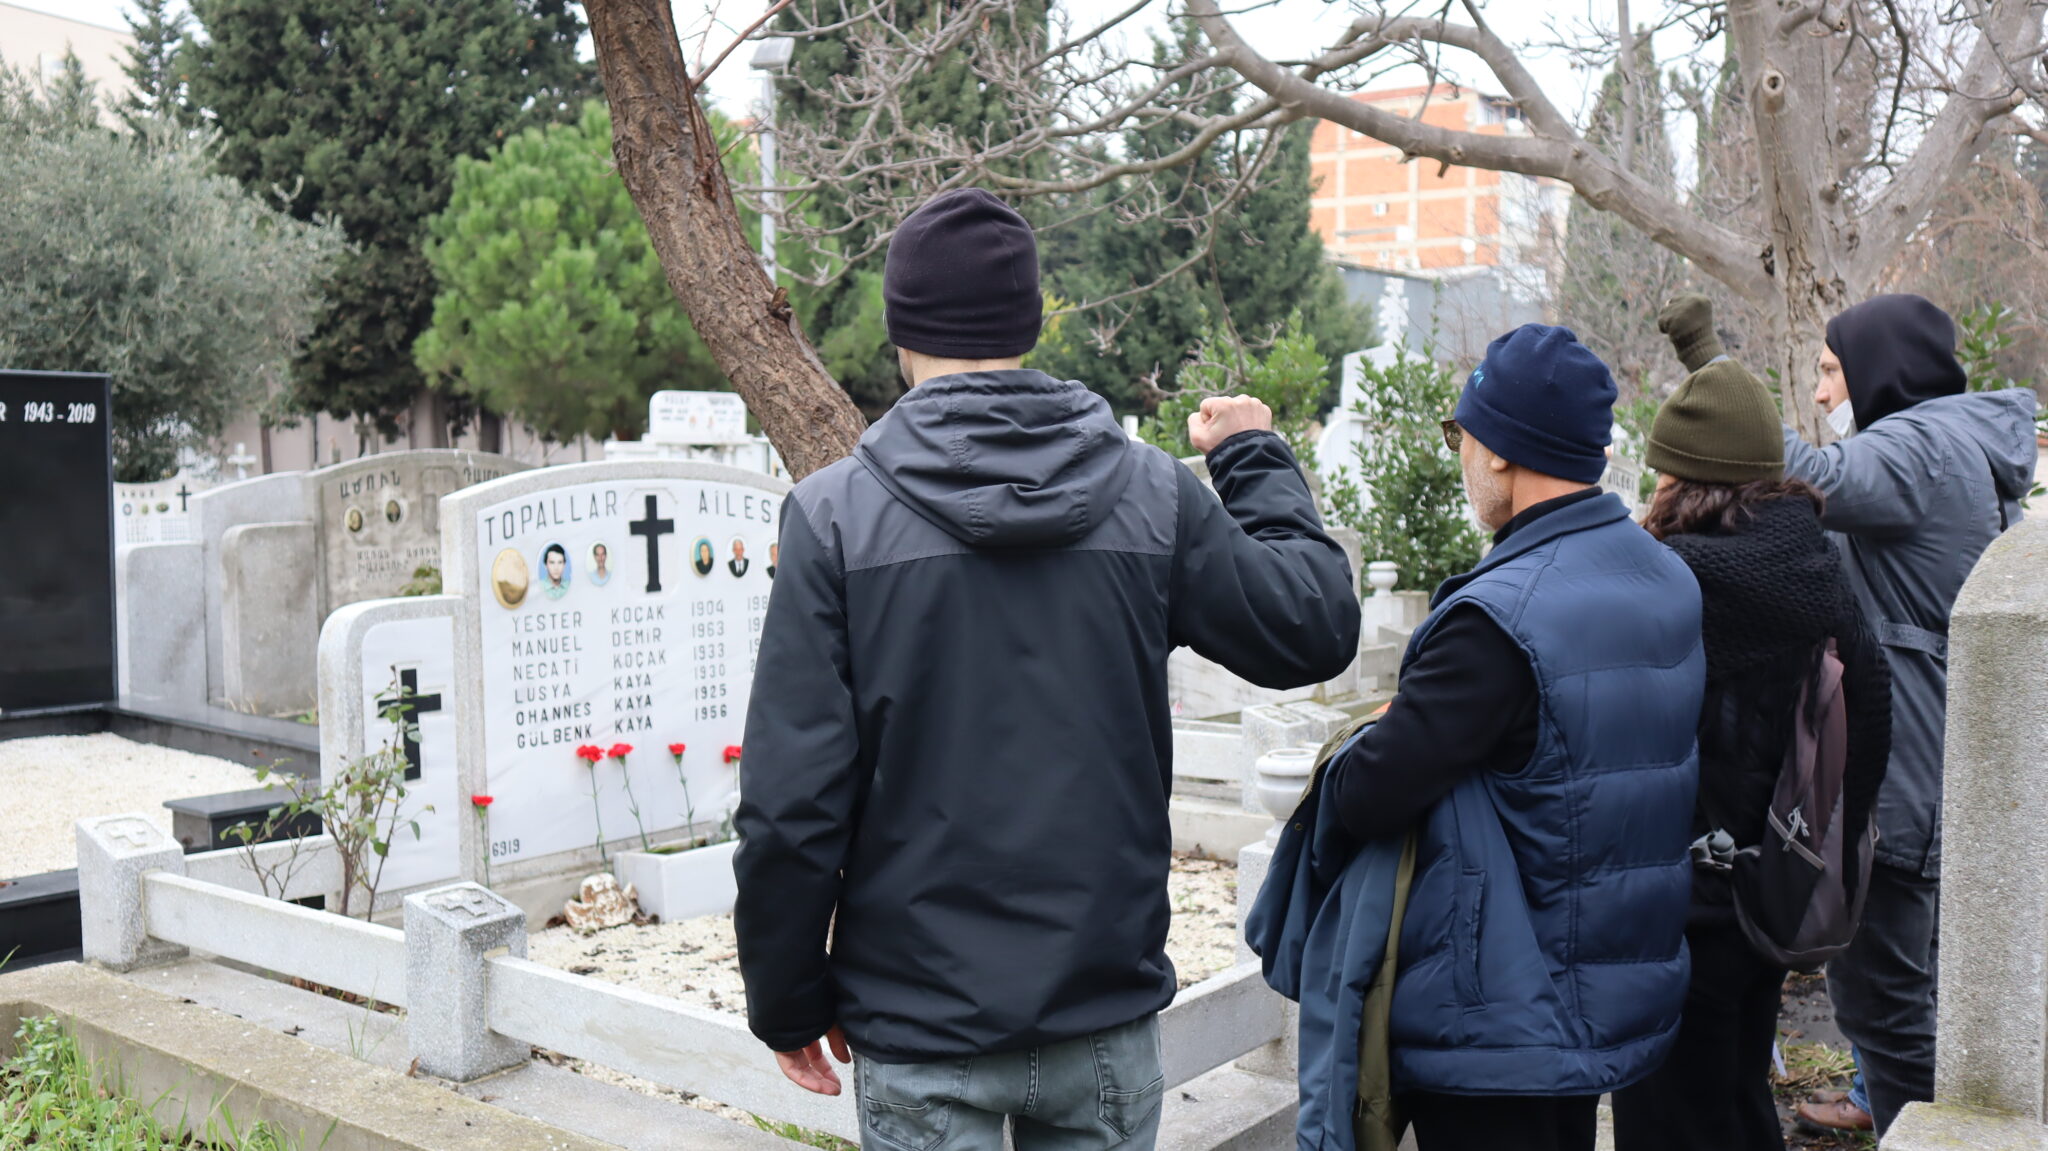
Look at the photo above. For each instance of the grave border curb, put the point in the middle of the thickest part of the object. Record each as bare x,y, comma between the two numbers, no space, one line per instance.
187,1059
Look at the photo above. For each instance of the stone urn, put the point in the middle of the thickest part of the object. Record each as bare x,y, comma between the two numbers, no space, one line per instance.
1382,575
1282,776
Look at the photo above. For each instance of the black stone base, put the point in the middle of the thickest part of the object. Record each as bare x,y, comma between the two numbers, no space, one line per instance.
202,822
38,916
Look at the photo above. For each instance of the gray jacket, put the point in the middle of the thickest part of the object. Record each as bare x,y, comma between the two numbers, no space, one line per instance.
1912,502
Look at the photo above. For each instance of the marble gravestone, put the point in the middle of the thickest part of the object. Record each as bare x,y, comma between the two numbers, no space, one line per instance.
585,604
267,560
378,519
156,513
56,516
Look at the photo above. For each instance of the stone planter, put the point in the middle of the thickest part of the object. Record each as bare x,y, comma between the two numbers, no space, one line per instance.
1281,777
683,885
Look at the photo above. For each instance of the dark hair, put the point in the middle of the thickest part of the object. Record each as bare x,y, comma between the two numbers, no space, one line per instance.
555,549
1687,507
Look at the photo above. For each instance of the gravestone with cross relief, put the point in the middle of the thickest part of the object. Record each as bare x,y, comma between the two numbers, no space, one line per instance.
585,605
156,513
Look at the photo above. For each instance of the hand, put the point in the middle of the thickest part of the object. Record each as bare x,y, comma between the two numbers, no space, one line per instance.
1222,417
809,1070
1687,319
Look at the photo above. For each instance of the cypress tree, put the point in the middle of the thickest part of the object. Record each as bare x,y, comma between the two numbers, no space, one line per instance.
357,110
154,88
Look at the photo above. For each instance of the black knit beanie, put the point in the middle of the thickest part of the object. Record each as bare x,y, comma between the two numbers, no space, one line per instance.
962,279
1543,400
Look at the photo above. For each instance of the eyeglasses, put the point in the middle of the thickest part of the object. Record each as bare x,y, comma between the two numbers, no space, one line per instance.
1454,436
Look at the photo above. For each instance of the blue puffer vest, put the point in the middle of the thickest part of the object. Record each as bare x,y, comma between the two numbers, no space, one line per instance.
1543,951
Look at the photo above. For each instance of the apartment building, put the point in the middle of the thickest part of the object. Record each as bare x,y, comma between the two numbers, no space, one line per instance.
37,41
1376,211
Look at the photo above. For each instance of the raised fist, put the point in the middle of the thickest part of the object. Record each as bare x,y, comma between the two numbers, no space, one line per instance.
1222,417
1687,320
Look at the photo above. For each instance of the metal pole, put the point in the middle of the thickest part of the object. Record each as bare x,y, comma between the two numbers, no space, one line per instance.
771,201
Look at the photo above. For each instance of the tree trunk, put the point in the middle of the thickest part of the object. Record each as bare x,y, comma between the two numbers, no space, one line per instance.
670,162
1791,101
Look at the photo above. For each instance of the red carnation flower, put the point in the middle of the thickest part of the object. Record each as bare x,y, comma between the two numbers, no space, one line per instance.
590,752
620,750
732,754
678,748
480,800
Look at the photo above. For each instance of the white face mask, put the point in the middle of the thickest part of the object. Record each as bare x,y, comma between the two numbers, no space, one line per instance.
1843,419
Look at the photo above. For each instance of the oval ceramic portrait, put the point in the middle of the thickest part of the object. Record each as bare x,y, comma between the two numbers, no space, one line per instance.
600,572
702,558
510,578
393,511
554,576
355,519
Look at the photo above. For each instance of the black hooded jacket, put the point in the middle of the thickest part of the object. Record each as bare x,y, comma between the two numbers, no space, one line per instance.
1896,351
959,744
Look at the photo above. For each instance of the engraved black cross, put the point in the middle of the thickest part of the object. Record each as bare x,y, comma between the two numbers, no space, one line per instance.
412,704
653,529
184,498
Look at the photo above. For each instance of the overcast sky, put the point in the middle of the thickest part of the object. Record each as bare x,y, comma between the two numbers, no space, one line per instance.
1288,28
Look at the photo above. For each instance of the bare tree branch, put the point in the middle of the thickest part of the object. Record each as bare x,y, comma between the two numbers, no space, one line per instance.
1723,254
2007,30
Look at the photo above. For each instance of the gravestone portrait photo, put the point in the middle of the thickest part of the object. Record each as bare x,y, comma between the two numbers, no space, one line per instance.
738,564
554,563
701,557
600,565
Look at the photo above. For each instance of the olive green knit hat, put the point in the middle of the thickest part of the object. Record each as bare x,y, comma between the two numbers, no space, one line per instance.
1721,426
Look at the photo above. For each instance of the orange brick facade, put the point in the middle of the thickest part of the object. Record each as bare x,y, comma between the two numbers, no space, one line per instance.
1375,210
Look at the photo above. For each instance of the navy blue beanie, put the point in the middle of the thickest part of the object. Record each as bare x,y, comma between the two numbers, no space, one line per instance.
1543,400
961,280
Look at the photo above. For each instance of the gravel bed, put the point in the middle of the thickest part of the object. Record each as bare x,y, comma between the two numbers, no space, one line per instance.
49,782
697,960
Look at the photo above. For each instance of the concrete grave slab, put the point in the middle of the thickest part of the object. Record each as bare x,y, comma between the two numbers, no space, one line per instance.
269,622
186,1059
1992,1033
276,498
160,623
378,518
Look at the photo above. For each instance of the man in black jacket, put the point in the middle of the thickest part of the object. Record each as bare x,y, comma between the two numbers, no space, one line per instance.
959,746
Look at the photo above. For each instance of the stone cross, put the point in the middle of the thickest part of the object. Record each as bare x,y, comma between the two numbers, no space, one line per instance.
184,497
240,461
414,705
653,529
470,903
131,832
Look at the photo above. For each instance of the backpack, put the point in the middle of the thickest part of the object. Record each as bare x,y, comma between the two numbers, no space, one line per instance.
1799,893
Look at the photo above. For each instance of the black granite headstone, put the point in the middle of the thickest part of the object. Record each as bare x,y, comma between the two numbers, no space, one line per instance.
57,531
